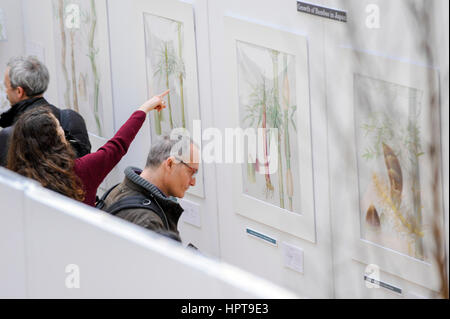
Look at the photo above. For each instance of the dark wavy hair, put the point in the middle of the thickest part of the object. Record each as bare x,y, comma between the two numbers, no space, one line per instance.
38,152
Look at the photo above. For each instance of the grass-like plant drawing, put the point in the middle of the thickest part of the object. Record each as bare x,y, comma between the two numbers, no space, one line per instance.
77,54
257,116
93,52
60,19
399,148
288,114
166,70
265,90
166,67
276,121
181,71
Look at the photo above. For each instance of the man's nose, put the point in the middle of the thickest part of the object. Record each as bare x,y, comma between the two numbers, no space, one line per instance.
192,183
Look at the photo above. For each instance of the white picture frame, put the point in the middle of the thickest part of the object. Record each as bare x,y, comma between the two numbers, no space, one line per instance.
299,223
91,62
354,64
180,12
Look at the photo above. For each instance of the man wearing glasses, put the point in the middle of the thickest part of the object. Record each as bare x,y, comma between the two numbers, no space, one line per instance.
147,197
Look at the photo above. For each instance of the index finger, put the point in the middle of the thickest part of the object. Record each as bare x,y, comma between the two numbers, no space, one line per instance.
164,94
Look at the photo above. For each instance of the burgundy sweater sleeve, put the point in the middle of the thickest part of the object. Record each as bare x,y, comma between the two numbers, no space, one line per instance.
93,168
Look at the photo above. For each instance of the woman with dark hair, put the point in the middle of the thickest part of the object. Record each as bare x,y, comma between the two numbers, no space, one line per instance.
39,150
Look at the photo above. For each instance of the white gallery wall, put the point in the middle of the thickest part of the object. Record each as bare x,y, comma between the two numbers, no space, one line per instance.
44,256
316,247
246,251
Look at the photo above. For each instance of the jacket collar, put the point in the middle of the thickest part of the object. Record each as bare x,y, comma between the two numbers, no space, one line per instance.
9,117
169,204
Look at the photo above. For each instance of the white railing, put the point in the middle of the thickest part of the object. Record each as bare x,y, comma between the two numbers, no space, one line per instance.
54,247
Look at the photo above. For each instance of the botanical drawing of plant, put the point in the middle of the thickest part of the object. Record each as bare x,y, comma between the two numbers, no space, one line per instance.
60,18
181,72
287,119
383,133
277,122
77,22
166,66
82,79
92,58
267,109
257,115
409,225
72,56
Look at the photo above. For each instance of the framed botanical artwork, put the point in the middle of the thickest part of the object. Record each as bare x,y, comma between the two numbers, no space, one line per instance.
387,134
82,63
269,72
171,63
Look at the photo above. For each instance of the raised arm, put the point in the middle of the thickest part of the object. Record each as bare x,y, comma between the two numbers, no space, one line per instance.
93,168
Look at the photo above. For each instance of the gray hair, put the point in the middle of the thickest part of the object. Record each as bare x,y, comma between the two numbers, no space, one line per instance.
28,73
164,147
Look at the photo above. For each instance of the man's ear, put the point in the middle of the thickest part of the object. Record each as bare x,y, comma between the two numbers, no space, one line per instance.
20,91
170,162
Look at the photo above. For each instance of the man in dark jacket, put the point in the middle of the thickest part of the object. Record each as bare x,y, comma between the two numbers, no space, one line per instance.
164,177
26,80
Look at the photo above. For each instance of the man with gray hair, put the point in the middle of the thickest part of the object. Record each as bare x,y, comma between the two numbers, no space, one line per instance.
147,197
26,79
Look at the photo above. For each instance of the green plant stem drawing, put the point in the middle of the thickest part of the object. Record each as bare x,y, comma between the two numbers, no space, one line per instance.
269,186
181,73
287,144
257,115
251,170
60,16
166,67
92,54
158,119
276,121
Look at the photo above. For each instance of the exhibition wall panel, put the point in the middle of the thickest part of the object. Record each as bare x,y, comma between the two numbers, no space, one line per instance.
134,82
259,230
59,248
382,179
